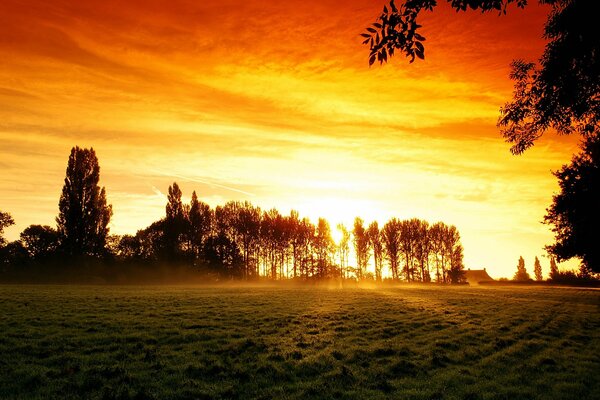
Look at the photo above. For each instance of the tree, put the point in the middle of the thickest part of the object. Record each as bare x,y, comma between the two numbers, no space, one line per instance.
554,273
423,250
377,245
6,220
361,247
561,93
408,245
457,267
175,224
574,212
40,241
521,274
324,246
199,218
537,270
391,240
344,249
83,213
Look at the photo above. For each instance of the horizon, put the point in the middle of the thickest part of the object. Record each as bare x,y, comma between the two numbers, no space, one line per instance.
300,124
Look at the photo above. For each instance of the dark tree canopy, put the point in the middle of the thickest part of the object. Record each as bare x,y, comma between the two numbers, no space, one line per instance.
6,220
561,92
521,274
537,270
83,213
575,209
40,241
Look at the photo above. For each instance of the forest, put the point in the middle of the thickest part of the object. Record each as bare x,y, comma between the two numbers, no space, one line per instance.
237,240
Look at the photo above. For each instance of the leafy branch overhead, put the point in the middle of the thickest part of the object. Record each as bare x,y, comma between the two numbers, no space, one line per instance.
395,30
561,92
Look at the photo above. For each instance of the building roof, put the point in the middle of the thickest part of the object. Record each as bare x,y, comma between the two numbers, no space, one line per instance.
474,276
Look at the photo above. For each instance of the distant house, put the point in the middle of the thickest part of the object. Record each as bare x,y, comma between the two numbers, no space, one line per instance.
474,276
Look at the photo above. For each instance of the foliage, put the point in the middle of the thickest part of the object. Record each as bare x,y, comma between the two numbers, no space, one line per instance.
40,241
574,212
83,213
376,240
521,274
94,342
6,220
553,268
562,93
537,270
362,246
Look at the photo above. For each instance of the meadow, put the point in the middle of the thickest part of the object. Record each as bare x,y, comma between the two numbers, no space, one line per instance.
176,342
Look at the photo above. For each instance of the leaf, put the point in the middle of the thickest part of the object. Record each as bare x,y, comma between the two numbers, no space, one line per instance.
371,30
385,10
419,37
419,47
377,25
366,35
371,60
420,54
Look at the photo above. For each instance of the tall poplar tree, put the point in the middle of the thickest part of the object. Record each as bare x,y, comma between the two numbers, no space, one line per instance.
83,212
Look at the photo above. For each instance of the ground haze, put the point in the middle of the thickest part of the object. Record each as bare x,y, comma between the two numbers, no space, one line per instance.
290,342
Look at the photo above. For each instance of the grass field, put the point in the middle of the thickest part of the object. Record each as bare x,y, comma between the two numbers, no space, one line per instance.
250,342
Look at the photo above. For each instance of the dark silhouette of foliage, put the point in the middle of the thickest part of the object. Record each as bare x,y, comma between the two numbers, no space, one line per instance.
562,93
391,240
324,249
375,237
83,213
199,226
41,242
361,246
6,220
239,240
574,212
537,270
521,274
344,250
553,268
175,225
456,274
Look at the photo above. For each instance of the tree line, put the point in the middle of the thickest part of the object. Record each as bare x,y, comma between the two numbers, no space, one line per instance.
234,240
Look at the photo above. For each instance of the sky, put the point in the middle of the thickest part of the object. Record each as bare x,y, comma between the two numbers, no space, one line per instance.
274,102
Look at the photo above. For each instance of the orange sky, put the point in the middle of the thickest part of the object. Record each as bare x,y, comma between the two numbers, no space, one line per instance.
274,103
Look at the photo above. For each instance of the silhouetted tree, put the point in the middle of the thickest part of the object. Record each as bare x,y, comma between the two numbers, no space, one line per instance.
408,244
274,241
324,247
344,249
391,241
377,246
40,241
361,247
199,226
422,249
436,239
457,267
537,270
6,220
175,225
83,213
554,273
562,93
575,211
521,274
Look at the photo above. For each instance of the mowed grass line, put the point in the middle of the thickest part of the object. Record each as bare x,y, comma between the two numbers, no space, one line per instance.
103,342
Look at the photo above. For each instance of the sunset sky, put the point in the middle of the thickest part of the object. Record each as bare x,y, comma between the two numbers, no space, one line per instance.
274,102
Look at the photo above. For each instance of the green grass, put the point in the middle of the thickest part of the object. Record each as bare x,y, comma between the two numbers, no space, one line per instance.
102,342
